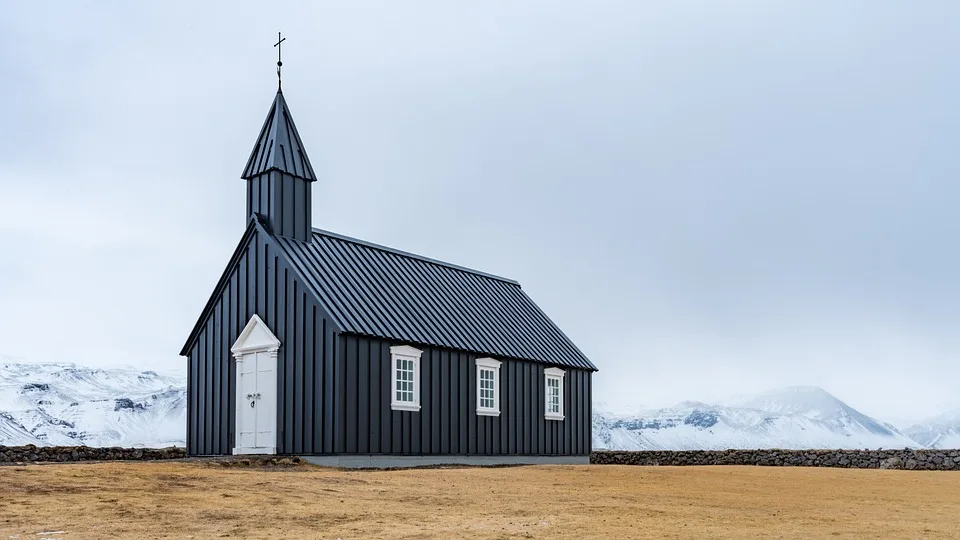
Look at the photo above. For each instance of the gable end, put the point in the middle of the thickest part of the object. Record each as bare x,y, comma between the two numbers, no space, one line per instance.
257,232
249,234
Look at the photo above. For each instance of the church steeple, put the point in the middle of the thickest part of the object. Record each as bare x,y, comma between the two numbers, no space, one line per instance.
279,175
279,146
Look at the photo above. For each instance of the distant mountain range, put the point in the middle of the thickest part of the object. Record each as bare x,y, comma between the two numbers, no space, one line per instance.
790,418
68,404
938,432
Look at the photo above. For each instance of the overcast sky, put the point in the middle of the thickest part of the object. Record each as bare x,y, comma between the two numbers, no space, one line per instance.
710,198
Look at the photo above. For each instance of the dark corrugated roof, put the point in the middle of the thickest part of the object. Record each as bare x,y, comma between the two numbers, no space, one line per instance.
279,146
378,291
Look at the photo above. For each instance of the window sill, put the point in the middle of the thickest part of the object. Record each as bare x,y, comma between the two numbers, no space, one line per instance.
487,412
554,416
405,407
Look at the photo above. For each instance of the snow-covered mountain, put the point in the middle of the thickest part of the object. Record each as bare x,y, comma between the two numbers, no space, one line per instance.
797,418
67,404
938,432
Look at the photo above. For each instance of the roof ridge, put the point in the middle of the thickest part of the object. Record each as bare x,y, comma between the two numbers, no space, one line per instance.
407,254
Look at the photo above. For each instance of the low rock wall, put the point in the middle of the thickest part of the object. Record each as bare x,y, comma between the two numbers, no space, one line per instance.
31,453
939,460
942,460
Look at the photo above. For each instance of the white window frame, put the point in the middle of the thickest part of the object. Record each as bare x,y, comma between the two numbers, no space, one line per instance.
491,365
405,352
548,375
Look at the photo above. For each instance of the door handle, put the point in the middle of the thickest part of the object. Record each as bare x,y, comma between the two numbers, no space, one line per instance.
249,396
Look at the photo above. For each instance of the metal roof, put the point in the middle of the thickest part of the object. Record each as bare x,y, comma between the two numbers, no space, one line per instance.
383,292
279,146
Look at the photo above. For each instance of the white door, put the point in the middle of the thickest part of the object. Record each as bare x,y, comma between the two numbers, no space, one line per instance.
256,403
246,403
266,401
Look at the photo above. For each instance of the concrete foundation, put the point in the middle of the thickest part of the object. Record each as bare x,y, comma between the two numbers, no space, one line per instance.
374,461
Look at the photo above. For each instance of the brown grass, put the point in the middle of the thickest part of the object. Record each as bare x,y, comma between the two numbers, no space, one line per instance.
164,500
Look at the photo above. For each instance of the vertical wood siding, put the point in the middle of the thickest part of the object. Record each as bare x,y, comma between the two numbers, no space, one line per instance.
284,201
334,390
447,422
261,282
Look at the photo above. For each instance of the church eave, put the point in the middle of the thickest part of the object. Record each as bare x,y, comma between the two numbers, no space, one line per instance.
255,226
221,284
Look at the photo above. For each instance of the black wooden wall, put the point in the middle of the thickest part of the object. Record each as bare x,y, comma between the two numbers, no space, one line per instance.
334,389
262,282
284,201
447,422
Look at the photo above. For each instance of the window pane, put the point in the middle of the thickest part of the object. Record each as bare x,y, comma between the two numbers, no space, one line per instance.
486,384
553,395
404,375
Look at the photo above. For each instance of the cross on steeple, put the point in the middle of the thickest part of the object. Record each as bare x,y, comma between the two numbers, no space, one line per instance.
279,61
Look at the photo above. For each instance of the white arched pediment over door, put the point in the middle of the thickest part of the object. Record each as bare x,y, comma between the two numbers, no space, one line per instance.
256,353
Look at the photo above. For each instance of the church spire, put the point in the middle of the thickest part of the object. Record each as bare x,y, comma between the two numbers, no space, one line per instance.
279,146
279,174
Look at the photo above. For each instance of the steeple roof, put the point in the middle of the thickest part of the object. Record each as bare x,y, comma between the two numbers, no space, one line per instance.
279,146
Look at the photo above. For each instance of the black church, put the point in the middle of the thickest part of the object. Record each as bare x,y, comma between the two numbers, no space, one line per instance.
355,354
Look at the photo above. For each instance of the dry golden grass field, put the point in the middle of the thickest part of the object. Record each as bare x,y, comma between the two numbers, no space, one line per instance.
207,500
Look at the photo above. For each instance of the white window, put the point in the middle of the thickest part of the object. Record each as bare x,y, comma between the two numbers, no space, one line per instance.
554,393
488,387
405,387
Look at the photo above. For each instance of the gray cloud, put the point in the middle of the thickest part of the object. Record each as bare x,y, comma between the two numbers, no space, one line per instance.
710,199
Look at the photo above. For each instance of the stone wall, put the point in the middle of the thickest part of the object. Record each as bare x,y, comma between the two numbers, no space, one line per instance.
943,460
30,453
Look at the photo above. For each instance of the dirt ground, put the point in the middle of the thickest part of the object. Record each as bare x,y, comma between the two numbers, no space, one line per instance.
206,500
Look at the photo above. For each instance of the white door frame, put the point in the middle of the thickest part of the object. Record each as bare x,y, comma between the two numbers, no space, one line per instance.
256,337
